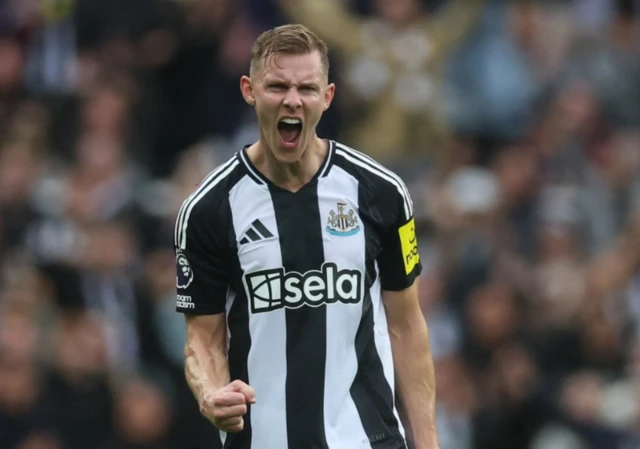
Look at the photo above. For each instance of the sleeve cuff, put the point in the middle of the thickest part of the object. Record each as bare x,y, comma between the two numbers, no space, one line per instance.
396,285
199,309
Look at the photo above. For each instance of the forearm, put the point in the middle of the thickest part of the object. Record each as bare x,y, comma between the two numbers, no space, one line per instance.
206,368
416,381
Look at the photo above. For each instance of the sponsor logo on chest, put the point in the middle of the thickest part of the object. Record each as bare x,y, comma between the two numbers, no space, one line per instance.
274,289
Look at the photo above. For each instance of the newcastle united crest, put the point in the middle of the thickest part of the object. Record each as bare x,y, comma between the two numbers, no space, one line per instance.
342,223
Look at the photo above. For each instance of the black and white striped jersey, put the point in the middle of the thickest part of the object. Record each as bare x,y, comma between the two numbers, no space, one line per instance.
299,276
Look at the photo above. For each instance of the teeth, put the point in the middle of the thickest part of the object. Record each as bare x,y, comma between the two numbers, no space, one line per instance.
291,121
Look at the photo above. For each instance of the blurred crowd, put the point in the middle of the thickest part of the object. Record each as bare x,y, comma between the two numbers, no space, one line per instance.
515,123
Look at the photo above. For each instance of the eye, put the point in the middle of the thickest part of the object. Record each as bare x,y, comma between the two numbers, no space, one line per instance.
277,87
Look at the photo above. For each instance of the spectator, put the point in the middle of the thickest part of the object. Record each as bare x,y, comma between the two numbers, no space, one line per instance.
393,64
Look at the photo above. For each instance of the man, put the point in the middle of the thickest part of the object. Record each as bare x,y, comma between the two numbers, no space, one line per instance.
297,262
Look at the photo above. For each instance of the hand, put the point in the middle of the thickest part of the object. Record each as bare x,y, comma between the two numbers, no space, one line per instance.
226,407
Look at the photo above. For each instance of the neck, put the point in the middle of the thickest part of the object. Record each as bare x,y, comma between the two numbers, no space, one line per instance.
291,176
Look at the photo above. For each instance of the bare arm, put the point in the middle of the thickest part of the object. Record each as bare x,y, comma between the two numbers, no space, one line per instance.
413,363
206,365
207,373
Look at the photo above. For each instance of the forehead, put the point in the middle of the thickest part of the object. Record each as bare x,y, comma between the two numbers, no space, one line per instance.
294,67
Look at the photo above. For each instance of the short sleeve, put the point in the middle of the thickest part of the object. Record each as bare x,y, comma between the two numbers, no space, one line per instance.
202,268
399,261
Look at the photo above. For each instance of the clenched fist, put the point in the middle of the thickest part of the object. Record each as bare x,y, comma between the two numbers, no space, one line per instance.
226,407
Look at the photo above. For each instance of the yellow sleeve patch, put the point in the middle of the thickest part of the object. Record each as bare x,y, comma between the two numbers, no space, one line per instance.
409,245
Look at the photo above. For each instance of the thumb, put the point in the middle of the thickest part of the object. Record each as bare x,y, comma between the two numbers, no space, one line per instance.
248,391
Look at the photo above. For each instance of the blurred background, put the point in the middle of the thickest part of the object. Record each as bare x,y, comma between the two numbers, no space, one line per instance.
516,125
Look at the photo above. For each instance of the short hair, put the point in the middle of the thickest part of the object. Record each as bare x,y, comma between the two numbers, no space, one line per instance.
291,39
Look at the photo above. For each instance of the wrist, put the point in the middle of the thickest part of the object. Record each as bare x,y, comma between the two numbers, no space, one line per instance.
205,399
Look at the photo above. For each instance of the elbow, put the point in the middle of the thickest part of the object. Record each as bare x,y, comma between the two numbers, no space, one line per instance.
412,334
188,353
410,325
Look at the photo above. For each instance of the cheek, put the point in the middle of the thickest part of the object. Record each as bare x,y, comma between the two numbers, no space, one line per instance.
267,103
315,109
264,113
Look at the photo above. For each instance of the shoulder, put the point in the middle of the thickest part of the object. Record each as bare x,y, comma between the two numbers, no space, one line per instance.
378,181
207,200
366,169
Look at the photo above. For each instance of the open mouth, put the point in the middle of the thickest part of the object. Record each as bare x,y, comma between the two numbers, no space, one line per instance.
290,130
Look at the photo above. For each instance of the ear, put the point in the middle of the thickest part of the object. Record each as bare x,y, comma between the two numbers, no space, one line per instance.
246,87
328,95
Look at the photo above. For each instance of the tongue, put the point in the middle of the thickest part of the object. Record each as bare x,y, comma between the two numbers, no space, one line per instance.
289,135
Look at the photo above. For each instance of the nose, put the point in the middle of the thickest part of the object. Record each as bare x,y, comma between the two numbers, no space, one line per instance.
292,98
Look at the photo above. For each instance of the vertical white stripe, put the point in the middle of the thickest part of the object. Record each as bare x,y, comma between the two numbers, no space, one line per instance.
223,437
267,362
383,342
343,427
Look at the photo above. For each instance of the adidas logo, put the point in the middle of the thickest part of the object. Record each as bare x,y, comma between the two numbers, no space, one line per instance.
256,232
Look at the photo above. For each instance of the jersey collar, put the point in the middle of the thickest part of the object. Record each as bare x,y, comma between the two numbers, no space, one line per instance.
258,177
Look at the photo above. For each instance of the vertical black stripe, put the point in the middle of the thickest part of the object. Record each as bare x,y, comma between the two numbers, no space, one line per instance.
298,218
240,343
370,391
262,229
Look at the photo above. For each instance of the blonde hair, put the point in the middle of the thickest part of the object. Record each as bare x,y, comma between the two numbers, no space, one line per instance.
290,39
